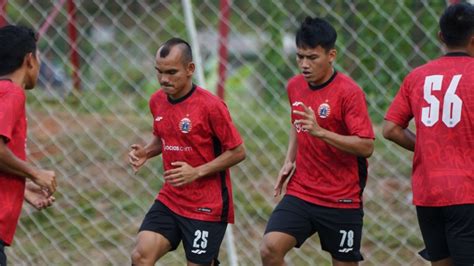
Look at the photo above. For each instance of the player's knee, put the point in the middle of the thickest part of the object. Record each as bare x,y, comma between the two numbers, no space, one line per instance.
138,257
268,250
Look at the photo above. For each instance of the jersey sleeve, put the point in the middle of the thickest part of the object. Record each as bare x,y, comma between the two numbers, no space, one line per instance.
223,127
400,111
10,106
152,106
356,115
288,92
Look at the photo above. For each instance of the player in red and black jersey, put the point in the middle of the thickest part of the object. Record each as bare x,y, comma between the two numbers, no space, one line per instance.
440,97
19,68
194,132
330,138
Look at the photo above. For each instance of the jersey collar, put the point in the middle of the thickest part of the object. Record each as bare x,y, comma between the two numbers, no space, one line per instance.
457,54
320,86
175,101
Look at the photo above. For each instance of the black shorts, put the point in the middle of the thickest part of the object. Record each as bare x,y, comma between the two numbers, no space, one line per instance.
201,239
448,232
340,230
3,256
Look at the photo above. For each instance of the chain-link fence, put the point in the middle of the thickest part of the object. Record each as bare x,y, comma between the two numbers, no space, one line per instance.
82,127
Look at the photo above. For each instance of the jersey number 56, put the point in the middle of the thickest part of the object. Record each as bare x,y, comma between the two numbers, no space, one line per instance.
452,103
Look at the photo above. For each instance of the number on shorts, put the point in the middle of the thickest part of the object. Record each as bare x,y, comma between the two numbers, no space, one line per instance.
200,240
452,103
347,235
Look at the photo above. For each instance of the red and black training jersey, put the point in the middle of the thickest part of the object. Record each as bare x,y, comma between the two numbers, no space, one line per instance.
440,96
195,129
324,174
13,131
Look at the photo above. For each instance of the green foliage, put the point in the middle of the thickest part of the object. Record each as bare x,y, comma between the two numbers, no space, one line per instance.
376,53
273,65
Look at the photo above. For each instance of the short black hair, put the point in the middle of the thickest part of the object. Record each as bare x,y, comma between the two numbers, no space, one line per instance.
15,43
315,32
184,46
457,24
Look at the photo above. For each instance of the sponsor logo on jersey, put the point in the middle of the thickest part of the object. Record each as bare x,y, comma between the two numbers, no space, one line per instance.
296,103
345,201
185,125
177,148
207,210
299,128
324,110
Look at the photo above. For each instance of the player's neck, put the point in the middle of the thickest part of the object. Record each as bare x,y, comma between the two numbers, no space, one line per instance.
325,81
183,92
457,51
5,78
182,95
17,77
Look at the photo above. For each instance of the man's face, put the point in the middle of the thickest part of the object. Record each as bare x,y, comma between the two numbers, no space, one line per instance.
315,63
172,73
33,68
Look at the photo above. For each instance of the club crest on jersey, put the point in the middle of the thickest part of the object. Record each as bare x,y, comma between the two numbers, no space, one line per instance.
185,125
324,110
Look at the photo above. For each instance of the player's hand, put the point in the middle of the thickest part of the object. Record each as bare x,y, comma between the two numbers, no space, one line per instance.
46,180
37,197
181,175
308,121
137,157
286,171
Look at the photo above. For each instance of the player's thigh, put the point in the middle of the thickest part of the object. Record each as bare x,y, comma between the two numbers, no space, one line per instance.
432,226
340,232
291,217
201,240
151,246
278,243
460,233
159,232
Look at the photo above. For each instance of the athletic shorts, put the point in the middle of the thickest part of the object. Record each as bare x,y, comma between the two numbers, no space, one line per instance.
3,256
448,232
201,239
340,230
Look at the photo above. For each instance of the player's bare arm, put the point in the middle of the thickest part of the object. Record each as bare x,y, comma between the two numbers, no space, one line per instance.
402,136
289,166
138,154
183,173
37,197
11,164
352,144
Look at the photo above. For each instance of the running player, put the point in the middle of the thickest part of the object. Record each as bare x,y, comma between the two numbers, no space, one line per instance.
440,97
194,133
330,138
19,68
